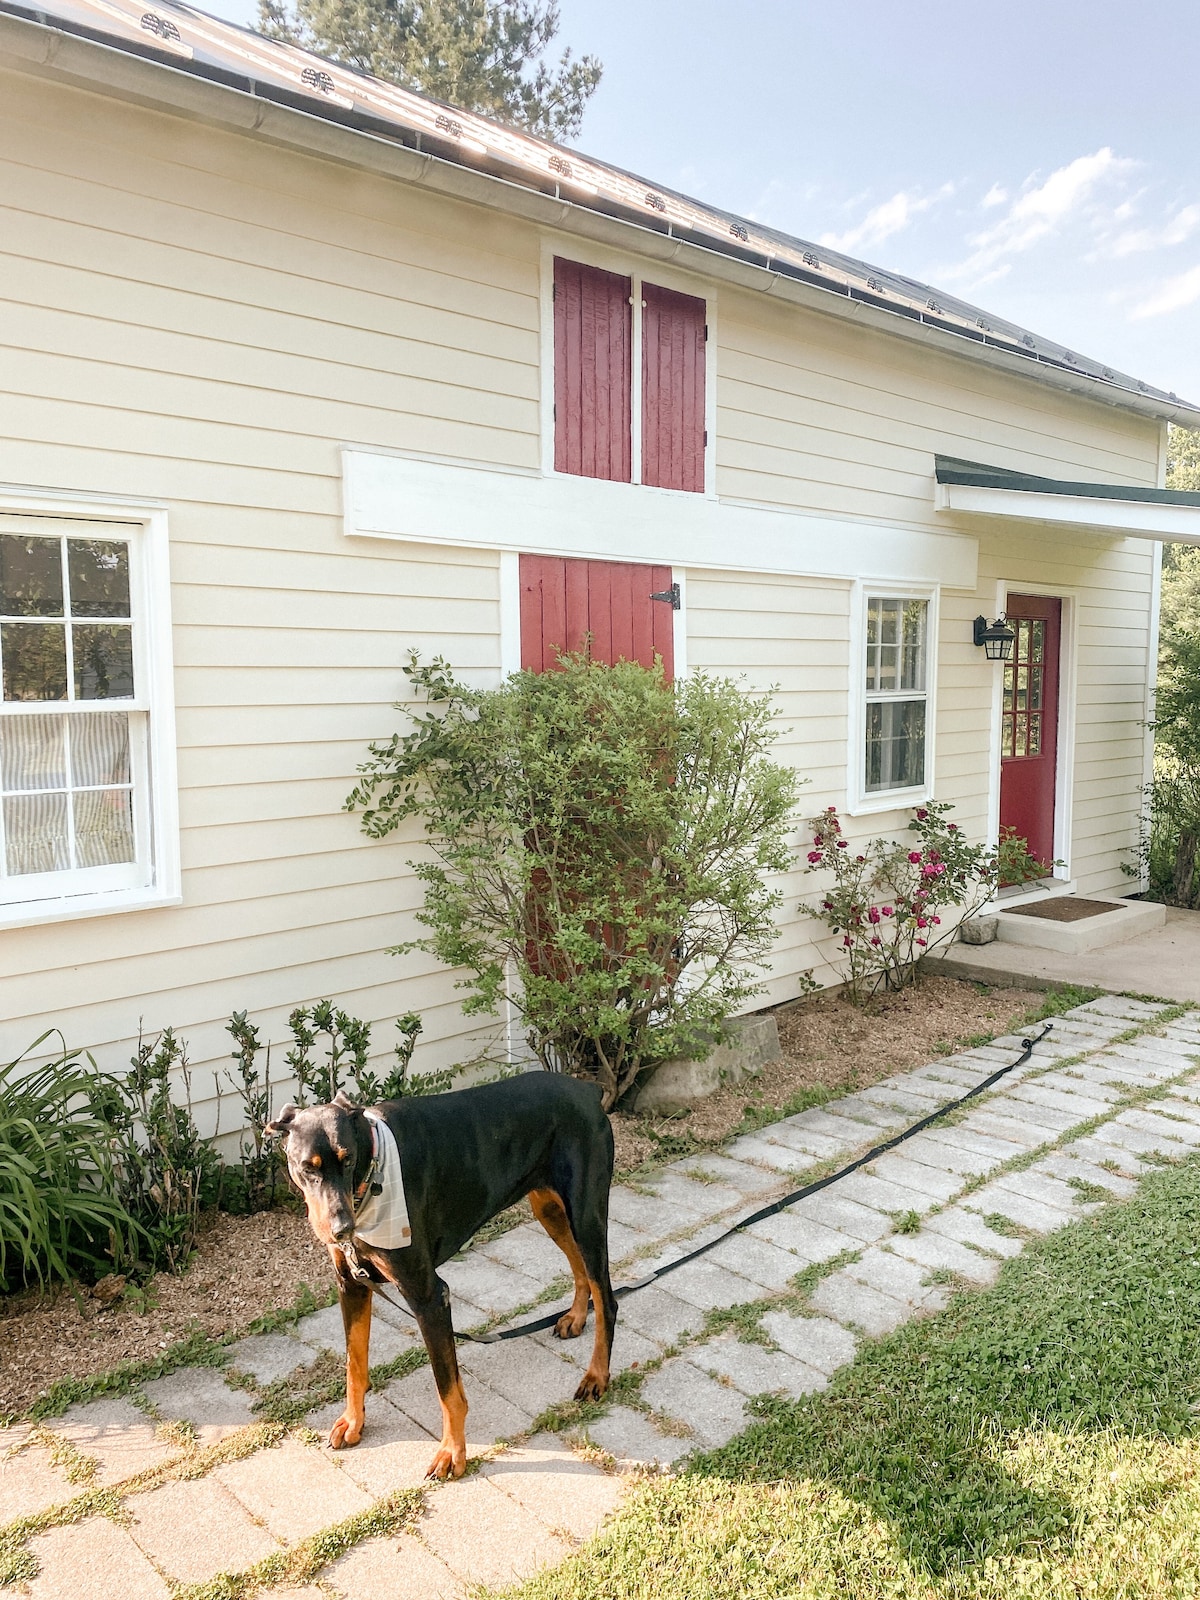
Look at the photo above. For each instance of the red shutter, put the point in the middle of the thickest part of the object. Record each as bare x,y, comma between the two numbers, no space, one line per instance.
563,601
672,389
593,344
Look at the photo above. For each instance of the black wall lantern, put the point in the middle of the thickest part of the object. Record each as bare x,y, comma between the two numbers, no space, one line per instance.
997,638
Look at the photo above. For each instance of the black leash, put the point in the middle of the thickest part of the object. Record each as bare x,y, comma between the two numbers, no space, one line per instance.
781,1204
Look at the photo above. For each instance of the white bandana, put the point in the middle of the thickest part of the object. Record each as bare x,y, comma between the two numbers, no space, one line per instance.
381,1219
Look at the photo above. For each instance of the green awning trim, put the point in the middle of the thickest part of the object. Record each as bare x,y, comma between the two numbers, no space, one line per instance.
975,475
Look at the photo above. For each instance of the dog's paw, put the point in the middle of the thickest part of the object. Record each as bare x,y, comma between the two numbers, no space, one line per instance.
569,1326
446,1464
592,1387
346,1431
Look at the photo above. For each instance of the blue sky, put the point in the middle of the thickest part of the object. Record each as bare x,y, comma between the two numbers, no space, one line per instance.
1039,157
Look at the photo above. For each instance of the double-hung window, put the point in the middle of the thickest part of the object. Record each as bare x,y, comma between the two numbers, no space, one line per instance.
629,379
78,812
896,687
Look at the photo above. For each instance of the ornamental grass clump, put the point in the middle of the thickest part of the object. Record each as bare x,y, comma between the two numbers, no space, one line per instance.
60,1214
895,901
598,840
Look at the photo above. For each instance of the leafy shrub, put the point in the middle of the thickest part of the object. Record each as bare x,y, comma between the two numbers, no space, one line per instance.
60,1214
1015,862
166,1173
890,903
599,841
349,1046
1168,853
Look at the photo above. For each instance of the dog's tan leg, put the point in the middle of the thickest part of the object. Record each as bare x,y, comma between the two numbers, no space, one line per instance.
437,1329
451,1458
597,1377
551,1213
356,1319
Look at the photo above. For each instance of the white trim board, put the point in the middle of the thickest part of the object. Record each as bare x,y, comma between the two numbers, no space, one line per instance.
388,495
1140,519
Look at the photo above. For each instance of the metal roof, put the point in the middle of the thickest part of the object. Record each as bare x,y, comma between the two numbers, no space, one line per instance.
182,37
974,475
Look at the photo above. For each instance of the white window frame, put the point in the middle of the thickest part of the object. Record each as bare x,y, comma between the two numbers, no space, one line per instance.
593,255
861,801
155,880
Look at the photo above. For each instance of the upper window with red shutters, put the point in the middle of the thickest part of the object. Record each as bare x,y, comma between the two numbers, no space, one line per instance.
629,379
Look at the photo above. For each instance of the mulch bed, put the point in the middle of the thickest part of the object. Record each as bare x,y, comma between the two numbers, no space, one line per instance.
245,1267
829,1043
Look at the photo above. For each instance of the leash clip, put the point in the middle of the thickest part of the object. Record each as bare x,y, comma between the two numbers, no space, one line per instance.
357,1270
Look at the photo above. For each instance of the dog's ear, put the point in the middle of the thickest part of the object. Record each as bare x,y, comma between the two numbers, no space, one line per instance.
344,1103
282,1125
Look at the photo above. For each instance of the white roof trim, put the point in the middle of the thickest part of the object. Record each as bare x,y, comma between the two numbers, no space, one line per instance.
1139,519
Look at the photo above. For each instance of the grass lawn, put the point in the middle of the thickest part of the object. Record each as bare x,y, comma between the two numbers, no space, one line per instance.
1041,1438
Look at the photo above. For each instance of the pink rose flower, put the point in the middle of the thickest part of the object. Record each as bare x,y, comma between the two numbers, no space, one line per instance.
935,920
920,941
841,844
921,815
874,913
814,856
922,922
914,856
877,940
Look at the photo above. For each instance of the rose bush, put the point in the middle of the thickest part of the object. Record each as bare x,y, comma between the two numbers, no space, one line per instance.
895,901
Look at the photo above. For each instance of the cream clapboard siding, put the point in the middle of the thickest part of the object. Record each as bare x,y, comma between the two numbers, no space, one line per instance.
186,317
189,315
830,419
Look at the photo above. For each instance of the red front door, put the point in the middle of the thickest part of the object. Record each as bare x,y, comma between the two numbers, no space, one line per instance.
1029,724
567,604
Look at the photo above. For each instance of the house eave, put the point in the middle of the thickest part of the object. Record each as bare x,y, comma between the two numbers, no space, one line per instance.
1140,519
52,49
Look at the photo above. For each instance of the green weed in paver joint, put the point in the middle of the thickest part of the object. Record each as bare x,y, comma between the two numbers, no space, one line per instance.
305,1561
625,1389
906,1221
1088,1192
744,1320
806,1282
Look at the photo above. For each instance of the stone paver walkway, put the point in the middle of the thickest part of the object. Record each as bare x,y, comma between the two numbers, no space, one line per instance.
947,1207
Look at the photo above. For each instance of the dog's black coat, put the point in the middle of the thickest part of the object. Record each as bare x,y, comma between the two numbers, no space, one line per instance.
465,1156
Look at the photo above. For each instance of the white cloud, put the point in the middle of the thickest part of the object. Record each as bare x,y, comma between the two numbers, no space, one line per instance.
1175,294
882,221
1177,230
996,196
1040,211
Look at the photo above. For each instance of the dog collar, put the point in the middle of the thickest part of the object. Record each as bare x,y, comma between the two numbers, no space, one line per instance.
370,1184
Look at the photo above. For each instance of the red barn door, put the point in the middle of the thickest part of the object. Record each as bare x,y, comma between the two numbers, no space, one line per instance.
1029,725
563,601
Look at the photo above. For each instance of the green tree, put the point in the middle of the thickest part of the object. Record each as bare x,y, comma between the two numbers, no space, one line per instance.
482,55
1181,562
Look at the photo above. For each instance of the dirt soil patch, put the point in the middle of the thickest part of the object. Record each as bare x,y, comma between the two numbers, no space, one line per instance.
243,1268
246,1267
829,1044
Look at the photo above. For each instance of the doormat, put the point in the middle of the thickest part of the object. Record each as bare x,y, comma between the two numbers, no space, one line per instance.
1064,908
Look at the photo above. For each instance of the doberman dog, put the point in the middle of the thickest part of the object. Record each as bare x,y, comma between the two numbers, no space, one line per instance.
465,1156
